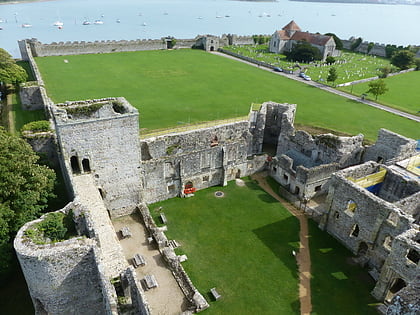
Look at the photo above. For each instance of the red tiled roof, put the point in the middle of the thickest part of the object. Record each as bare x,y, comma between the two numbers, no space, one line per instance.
292,26
283,35
315,39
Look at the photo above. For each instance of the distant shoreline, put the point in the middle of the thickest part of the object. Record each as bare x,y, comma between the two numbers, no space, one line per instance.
22,1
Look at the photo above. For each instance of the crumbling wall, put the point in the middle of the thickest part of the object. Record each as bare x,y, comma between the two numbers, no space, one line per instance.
395,187
44,143
402,263
63,277
361,220
390,147
202,158
406,301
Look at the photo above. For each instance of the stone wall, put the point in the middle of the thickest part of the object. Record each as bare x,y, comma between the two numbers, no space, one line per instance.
390,147
30,96
59,274
361,220
134,290
399,265
195,298
45,144
103,142
201,158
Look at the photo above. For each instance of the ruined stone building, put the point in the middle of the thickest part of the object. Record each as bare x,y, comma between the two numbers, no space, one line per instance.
372,204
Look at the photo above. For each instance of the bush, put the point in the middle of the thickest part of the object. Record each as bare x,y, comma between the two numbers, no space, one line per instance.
53,227
417,63
37,126
330,60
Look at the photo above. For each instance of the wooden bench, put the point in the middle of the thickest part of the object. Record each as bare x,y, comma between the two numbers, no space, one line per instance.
125,232
215,294
138,260
150,281
163,218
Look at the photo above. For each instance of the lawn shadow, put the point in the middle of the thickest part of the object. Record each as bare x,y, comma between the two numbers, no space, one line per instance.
278,237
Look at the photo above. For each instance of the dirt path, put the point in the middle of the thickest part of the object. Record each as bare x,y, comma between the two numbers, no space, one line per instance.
303,257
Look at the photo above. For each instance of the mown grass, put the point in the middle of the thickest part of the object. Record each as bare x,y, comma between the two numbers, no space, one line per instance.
171,88
403,92
22,117
241,245
337,286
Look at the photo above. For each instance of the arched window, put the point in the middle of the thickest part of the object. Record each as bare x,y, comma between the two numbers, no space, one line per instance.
86,165
74,162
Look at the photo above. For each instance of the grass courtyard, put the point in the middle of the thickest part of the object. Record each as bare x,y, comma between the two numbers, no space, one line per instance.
173,88
241,244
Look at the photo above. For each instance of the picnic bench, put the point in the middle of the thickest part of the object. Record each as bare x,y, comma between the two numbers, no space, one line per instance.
150,281
215,294
125,232
138,260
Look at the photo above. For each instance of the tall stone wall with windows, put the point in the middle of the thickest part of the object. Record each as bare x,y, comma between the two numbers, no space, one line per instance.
101,137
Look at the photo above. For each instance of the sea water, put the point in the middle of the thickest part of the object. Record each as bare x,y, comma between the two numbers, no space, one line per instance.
144,19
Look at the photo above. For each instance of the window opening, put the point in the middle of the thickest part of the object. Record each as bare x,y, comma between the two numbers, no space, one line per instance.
355,231
75,167
413,256
86,165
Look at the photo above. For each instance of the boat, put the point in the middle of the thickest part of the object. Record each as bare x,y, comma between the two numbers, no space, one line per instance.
26,25
144,24
200,17
118,21
86,23
58,23
98,22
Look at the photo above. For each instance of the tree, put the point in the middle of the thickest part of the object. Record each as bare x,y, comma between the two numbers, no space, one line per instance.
417,63
384,72
338,42
10,72
377,88
332,75
25,188
303,52
330,60
403,59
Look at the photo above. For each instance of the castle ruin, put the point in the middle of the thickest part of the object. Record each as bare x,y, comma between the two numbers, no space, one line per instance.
371,193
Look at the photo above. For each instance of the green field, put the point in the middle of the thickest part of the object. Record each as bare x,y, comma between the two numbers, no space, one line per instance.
171,88
403,92
350,66
241,244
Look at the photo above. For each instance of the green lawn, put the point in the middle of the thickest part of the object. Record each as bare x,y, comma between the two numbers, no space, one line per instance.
241,245
175,87
22,117
403,92
337,287
350,66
